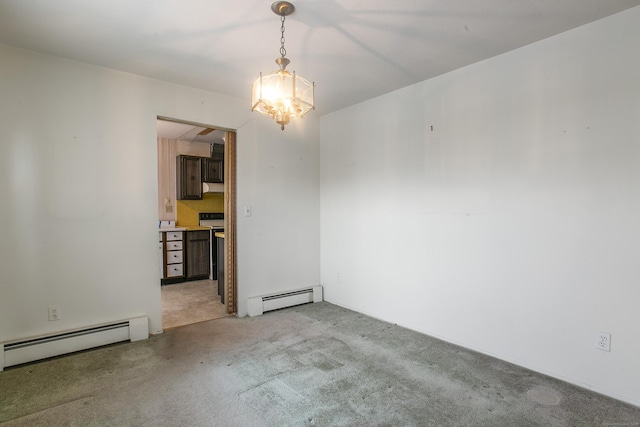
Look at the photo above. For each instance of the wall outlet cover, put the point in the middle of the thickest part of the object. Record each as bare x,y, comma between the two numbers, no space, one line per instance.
603,341
54,313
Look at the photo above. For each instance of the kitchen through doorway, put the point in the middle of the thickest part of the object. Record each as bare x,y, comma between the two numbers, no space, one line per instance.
189,284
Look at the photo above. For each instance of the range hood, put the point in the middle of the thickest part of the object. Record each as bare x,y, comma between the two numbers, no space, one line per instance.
210,187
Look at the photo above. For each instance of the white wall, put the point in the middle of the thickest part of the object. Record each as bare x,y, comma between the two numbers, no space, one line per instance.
512,228
278,177
78,191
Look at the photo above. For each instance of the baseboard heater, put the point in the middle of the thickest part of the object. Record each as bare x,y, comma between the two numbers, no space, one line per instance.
36,348
264,303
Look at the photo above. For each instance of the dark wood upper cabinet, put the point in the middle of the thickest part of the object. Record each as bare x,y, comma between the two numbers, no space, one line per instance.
189,177
217,151
212,170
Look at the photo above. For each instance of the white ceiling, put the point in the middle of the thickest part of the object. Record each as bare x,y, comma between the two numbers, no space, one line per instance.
189,132
353,49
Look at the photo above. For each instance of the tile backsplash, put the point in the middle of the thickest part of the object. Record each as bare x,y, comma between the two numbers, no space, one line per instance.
188,210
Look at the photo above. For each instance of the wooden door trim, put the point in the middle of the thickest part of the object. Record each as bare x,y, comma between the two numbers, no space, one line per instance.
231,283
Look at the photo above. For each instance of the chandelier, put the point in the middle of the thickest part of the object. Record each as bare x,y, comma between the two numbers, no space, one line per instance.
282,95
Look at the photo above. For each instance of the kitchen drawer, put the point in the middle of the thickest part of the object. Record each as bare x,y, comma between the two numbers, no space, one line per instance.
175,270
174,235
174,257
175,245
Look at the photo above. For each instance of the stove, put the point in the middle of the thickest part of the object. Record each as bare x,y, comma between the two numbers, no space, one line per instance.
215,220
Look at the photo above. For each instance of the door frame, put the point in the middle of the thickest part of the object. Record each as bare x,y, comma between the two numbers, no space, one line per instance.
230,216
230,213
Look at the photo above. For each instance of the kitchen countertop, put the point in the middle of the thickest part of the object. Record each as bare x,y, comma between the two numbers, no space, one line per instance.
170,229
220,234
186,228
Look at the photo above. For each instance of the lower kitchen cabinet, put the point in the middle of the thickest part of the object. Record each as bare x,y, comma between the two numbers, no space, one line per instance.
172,244
220,266
198,261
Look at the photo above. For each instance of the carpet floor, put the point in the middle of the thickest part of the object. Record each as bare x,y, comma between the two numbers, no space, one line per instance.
311,365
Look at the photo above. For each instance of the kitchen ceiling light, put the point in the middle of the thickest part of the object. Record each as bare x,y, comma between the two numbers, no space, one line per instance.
281,95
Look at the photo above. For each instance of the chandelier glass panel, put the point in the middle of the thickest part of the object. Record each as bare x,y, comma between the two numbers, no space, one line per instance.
282,95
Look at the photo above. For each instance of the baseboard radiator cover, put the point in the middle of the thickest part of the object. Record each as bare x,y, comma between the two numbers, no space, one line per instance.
261,304
36,348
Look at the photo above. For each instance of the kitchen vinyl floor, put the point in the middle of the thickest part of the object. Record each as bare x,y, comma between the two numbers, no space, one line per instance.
191,302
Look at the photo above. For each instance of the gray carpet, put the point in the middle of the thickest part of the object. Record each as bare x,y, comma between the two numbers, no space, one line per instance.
316,364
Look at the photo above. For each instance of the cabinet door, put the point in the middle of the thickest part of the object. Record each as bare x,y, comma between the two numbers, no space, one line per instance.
217,151
213,170
189,178
198,250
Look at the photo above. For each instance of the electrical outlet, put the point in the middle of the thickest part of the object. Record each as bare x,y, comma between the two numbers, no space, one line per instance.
247,210
603,341
54,313
338,277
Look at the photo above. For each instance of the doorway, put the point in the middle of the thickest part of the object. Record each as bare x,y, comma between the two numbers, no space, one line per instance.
190,301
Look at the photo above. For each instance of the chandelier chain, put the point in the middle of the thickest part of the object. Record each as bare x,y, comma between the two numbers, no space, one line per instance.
283,51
